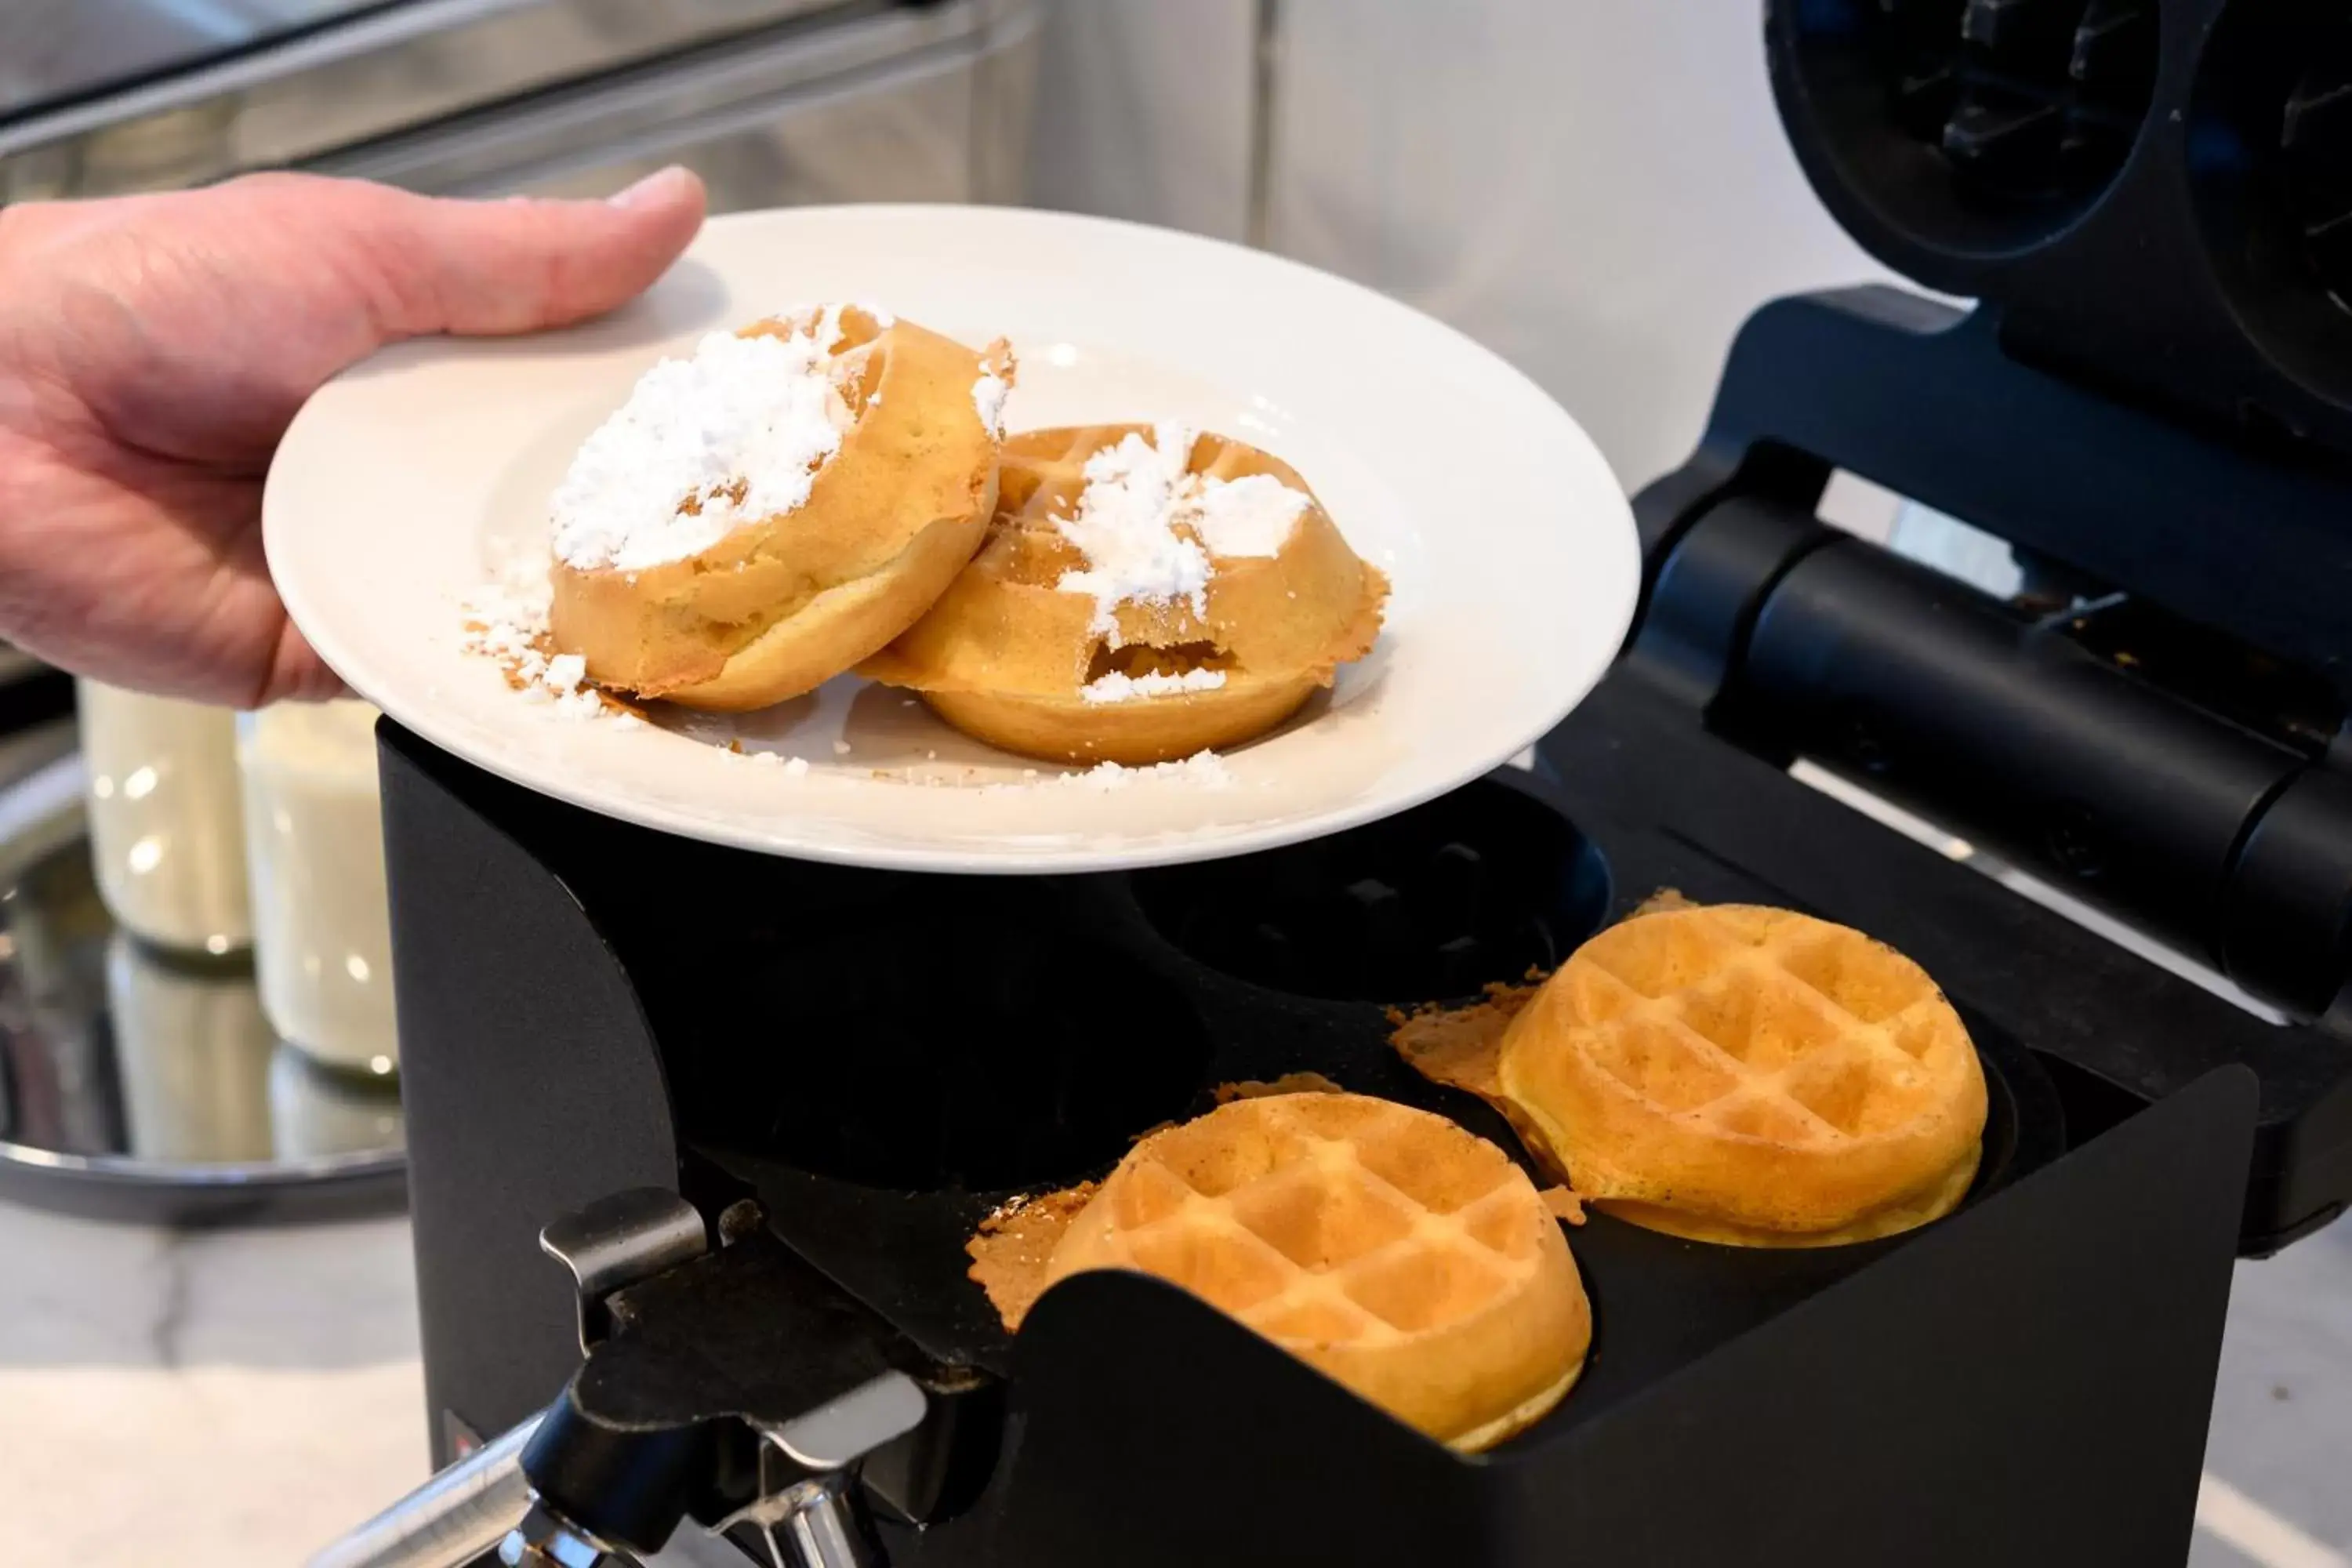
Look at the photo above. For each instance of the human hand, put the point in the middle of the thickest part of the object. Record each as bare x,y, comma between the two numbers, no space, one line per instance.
154,348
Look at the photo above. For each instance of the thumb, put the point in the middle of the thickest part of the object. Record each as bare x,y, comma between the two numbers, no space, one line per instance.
478,268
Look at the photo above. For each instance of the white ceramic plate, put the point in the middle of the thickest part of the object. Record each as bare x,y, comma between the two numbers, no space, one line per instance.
1509,544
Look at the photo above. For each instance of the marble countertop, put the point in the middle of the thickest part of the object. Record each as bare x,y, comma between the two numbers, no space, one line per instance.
244,1396
214,1398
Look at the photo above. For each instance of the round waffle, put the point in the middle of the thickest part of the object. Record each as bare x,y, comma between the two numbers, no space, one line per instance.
784,603
1008,656
1750,1076
1403,1257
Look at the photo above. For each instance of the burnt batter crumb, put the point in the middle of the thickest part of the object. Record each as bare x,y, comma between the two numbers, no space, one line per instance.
1013,1246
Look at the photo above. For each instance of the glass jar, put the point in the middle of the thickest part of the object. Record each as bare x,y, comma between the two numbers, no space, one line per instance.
166,832
314,836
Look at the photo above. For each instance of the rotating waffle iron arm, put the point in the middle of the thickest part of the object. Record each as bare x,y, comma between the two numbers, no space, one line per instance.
687,1408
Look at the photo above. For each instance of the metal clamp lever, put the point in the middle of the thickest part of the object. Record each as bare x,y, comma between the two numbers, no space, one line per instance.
812,1525
480,1501
739,1385
811,1522
618,1241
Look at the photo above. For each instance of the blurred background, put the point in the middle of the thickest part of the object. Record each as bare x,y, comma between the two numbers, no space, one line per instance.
195,1025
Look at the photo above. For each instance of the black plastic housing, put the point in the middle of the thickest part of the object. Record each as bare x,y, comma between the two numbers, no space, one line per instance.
2152,191
565,1034
2178,792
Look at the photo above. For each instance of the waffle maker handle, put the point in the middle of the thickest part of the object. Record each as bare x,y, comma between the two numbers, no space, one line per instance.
682,1409
464,1511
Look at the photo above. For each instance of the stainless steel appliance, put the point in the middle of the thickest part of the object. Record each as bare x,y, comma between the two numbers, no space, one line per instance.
773,102
134,1083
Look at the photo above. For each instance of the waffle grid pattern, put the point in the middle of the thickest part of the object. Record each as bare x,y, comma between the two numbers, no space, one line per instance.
1342,1226
1768,1027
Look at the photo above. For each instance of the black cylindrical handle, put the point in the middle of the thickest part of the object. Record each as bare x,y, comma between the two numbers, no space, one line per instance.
1944,698
2290,906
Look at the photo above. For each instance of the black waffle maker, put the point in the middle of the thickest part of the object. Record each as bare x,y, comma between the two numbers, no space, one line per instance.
756,1106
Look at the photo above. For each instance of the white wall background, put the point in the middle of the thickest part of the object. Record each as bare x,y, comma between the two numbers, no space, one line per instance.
1143,112
1598,189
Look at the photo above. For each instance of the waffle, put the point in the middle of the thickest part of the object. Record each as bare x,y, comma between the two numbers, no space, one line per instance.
782,603
1006,654
1749,1076
1404,1257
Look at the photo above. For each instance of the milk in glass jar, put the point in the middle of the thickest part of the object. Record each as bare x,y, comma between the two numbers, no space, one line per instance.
322,936
166,832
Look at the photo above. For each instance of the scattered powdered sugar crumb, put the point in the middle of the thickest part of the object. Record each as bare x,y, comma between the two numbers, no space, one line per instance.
567,681
1202,768
841,748
734,433
506,617
791,767
988,395
1116,687
506,622
1139,495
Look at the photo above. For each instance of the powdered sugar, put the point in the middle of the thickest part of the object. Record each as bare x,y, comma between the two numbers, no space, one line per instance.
704,444
1116,687
1202,769
565,683
988,394
506,622
1251,516
1205,769
1149,528
1126,528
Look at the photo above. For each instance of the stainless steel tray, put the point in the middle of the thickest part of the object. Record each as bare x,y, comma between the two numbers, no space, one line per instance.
140,1084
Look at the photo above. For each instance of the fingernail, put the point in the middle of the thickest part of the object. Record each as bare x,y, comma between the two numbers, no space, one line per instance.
661,182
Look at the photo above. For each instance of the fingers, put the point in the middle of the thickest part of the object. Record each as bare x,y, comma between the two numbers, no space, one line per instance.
485,267
296,674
